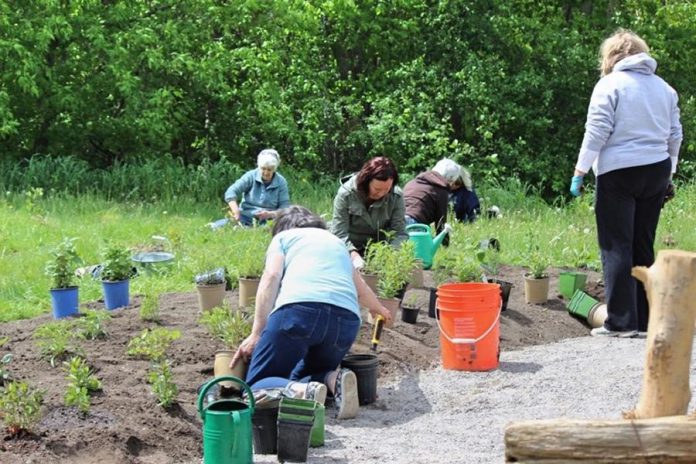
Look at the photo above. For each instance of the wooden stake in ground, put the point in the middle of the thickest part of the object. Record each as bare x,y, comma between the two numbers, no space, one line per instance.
554,441
671,287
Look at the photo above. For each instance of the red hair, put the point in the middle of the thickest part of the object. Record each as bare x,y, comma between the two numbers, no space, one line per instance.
380,168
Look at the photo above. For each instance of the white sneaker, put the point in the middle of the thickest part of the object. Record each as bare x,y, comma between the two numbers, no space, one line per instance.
315,391
346,394
604,332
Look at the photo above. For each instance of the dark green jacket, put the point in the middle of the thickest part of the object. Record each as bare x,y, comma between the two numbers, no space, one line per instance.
356,224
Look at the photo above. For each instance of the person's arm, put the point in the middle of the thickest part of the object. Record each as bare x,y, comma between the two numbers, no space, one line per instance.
237,189
675,134
368,299
265,299
598,127
341,218
397,221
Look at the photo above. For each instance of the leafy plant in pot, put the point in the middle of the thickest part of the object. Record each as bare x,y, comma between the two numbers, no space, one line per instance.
249,263
395,272
211,288
536,281
61,270
410,307
116,272
490,262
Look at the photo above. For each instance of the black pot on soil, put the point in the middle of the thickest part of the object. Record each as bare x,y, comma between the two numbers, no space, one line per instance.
505,288
409,315
293,440
432,303
365,367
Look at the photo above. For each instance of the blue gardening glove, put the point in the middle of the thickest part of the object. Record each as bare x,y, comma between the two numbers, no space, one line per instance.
576,185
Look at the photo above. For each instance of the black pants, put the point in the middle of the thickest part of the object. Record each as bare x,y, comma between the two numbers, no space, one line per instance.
628,204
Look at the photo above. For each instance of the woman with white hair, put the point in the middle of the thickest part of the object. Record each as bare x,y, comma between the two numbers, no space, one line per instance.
632,139
426,197
263,190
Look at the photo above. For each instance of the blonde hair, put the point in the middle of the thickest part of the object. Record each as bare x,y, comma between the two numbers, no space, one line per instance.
618,46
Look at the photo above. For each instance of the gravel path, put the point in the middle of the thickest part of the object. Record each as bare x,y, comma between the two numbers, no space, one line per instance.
441,416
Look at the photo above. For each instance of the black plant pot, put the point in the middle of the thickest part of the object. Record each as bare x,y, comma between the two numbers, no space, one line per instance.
293,440
265,430
365,367
409,315
505,288
432,303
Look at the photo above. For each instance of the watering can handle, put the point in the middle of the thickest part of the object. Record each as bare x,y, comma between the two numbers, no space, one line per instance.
418,228
224,378
237,421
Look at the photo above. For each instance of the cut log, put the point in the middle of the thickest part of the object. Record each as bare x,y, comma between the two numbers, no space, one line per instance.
662,440
670,284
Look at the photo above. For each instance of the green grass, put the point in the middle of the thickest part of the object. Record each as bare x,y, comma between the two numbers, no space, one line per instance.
31,225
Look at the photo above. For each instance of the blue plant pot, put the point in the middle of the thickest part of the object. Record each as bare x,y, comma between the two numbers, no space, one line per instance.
115,293
64,301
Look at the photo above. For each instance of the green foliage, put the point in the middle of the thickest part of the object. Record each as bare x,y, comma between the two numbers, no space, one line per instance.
81,381
230,327
91,325
152,344
116,264
162,381
490,260
20,407
250,255
61,267
4,372
56,340
149,307
537,260
393,266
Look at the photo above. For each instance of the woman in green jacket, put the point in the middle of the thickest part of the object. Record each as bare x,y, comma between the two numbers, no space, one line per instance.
369,206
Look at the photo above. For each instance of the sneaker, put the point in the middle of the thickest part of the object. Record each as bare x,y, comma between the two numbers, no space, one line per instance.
604,332
640,334
315,391
346,394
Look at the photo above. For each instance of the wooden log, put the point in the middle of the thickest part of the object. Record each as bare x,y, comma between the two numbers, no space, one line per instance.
661,440
670,284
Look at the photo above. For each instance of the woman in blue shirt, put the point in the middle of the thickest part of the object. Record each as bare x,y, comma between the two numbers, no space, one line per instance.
263,190
307,314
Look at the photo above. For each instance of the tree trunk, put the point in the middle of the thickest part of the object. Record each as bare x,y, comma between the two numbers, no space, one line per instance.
662,440
670,284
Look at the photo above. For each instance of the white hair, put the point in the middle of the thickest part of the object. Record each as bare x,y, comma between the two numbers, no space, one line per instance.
268,158
465,179
447,169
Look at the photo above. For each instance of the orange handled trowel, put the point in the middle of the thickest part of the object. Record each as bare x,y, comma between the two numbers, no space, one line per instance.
377,331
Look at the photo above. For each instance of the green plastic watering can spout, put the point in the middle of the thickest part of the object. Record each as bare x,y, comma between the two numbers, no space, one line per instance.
437,241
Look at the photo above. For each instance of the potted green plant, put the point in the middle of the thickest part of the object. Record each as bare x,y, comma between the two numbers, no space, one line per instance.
395,271
370,272
536,281
61,270
211,288
490,262
115,273
249,263
410,307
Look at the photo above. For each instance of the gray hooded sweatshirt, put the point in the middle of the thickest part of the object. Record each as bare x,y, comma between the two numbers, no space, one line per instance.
632,120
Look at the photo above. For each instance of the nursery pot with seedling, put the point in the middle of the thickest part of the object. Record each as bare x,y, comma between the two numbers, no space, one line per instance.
116,293
64,301
536,291
210,296
371,280
247,291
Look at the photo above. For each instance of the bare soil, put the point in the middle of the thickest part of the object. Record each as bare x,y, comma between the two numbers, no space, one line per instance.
125,424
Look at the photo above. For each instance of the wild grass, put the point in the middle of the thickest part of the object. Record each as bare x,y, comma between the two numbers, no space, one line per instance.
32,223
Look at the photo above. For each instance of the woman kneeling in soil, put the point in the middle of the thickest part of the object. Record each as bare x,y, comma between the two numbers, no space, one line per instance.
307,313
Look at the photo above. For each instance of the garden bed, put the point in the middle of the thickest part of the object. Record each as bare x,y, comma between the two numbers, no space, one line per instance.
125,425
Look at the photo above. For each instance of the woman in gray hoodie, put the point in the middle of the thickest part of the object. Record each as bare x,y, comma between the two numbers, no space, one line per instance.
632,139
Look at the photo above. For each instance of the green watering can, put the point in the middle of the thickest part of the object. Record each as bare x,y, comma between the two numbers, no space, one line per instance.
425,244
226,426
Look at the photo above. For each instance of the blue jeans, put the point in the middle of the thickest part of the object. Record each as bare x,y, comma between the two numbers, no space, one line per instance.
301,341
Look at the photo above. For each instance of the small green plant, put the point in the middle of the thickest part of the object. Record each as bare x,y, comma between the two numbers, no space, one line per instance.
162,381
116,264
62,265
4,372
56,340
149,307
91,326
250,260
230,328
490,260
20,407
411,300
152,344
81,381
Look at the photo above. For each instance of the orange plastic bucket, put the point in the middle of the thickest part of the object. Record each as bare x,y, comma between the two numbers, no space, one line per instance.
469,323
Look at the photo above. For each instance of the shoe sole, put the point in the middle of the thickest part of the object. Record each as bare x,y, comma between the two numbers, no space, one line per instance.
348,407
319,393
632,334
